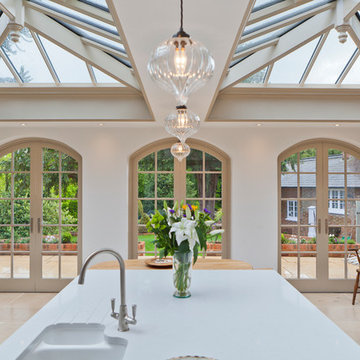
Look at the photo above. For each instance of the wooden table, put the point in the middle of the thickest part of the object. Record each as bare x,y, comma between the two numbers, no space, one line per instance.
201,264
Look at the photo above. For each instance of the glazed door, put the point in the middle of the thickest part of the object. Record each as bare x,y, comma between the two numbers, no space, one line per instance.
319,216
39,215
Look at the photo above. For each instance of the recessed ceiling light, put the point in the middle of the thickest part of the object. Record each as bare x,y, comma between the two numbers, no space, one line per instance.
337,125
23,124
259,124
101,124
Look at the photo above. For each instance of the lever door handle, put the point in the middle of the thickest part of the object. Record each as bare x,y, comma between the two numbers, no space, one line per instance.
319,225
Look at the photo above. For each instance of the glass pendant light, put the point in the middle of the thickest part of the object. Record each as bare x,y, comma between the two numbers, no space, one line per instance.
181,65
183,123
180,150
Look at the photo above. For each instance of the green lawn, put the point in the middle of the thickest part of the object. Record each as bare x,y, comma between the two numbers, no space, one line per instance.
149,238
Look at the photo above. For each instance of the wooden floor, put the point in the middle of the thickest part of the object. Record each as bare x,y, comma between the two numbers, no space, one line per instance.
17,308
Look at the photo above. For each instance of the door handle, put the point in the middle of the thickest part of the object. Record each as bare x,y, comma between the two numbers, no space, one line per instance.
326,226
319,225
38,225
31,225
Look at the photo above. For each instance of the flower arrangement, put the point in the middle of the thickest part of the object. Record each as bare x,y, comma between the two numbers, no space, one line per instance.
182,231
183,228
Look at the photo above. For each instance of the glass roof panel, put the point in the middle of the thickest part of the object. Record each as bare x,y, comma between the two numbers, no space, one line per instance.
290,68
76,15
27,60
331,61
5,74
297,10
261,4
353,76
68,67
101,4
102,78
257,78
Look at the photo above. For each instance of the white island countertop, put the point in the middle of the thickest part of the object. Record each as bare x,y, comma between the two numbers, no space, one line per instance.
250,315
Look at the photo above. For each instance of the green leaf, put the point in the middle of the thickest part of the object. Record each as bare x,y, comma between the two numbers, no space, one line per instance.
196,253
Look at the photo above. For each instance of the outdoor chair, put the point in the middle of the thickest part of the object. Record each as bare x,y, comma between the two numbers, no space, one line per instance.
356,286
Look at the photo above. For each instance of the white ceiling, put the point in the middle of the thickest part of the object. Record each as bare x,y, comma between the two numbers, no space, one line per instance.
217,24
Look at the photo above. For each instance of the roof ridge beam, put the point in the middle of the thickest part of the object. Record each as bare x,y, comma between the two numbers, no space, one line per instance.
289,42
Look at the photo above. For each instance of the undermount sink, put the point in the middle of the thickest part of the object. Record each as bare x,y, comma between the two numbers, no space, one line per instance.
75,342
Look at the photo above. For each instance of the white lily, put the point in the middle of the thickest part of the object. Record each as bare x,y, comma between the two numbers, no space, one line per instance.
185,230
209,222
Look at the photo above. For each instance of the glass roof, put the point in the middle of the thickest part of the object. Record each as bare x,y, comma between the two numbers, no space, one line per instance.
320,61
41,59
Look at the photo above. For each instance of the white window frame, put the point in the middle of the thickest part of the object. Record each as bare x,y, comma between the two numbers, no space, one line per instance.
337,205
291,214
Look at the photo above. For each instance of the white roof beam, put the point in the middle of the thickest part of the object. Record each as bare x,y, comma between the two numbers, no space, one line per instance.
69,41
104,48
72,21
313,59
348,67
289,42
91,73
274,10
287,22
45,57
4,30
354,30
250,51
87,9
350,7
10,67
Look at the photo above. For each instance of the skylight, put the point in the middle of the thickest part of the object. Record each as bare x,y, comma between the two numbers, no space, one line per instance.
88,54
281,35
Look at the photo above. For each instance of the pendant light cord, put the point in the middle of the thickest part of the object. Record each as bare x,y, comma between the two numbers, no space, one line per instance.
181,15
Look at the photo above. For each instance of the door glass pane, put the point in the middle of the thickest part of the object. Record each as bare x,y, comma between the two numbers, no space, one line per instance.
50,238
165,161
51,211
50,160
22,159
50,185
290,163
212,163
307,212
308,160
5,211
194,185
308,266
336,266
194,162
353,212
307,238
50,266
353,186
289,266
5,265
68,163
213,185
5,162
289,184
165,185
146,185
336,161
69,212
352,164
69,185
22,212
5,185
147,163
21,185
68,266
21,238
69,238
308,185
21,266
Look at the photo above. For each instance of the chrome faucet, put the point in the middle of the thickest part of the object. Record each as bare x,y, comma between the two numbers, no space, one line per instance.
122,316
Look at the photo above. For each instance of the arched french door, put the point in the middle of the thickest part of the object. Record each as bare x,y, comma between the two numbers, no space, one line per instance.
40,215
319,214
202,179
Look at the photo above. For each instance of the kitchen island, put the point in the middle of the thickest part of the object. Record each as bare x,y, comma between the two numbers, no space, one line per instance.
252,315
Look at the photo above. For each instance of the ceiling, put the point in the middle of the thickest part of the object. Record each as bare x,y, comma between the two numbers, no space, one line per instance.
106,43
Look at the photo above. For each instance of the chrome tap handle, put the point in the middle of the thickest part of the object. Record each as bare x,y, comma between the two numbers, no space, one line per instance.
113,313
134,307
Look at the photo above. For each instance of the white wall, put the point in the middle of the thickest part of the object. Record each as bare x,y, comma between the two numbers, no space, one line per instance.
253,152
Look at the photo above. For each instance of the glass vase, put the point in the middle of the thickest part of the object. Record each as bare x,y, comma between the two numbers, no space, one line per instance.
182,263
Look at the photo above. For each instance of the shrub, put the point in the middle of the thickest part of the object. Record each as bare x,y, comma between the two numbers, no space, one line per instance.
351,242
66,238
74,240
284,240
312,240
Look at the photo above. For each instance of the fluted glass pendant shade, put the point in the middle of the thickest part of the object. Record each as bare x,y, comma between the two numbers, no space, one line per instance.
180,150
183,123
180,66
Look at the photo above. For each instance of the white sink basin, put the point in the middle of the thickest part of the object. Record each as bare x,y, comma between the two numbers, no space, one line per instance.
75,342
